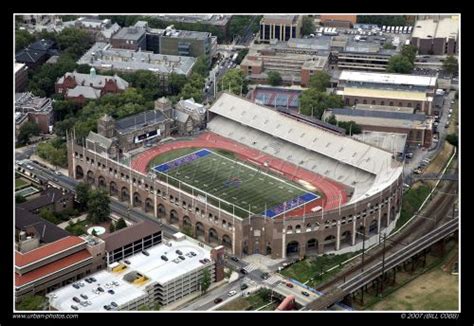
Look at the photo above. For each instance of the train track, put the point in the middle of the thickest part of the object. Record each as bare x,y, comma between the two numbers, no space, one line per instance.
435,214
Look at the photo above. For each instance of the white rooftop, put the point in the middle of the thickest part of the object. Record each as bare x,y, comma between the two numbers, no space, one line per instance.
153,267
18,66
446,28
384,78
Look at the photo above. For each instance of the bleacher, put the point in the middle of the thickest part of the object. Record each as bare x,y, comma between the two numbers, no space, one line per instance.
276,97
355,164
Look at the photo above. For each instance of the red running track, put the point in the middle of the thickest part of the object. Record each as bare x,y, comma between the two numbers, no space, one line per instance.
333,192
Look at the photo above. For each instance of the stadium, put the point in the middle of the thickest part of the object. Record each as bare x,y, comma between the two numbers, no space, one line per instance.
258,181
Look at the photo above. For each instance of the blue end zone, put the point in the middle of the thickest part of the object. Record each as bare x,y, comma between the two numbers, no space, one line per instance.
165,167
288,205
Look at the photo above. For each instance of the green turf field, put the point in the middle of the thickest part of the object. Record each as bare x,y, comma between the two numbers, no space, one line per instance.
244,186
20,183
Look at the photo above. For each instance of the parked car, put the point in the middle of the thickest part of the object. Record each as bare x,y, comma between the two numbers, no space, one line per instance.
76,299
243,271
232,293
181,257
74,307
234,258
111,291
84,296
93,279
179,252
88,280
244,286
107,307
126,262
145,253
100,289
306,294
217,300
76,286
193,253
113,304
164,258
290,285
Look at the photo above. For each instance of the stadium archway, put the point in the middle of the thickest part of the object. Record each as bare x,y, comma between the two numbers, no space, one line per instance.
148,205
124,194
268,249
383,224
227,241
90,177
174,217
213,237
312,246
346,239
187,222
200,232
113,189
79,173
101,182
330,243
161,211
392,214
373,227
137,199
360,233
292,247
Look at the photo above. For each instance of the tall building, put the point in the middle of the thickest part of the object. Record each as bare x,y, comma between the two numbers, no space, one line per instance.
280,27
132,38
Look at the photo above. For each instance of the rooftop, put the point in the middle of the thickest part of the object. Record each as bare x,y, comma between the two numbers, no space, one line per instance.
96,81
155,269
393,142
386,78
129,33
387,108
47,197
139,120
383,93
48,250
129,234
279,19
186,34
18,66
446,28
27,102
102,56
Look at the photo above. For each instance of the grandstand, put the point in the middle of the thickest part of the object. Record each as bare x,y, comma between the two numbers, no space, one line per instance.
276,97
361,167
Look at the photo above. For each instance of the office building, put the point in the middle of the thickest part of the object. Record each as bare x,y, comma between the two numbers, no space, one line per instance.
131,38
29,107
436,36
280,27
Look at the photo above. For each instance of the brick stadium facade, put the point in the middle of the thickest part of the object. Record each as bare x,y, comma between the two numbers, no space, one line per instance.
338,229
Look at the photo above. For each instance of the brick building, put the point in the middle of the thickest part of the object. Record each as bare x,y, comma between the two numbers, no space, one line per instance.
345,21
21,77
131,38
438,36
81,87
34,108
280,27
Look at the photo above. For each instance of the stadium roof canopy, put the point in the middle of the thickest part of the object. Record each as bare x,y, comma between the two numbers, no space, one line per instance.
384,78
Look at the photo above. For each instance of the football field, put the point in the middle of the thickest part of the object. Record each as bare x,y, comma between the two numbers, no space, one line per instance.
232,185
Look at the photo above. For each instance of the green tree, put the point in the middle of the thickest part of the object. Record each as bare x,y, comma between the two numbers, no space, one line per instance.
22,39
188,230
239,23
74,41
409,51
314,102
452,139
201,66
264,294
19,199
308,26
241,55
28,129
351,127
112,227
32,302
450,64
82,194
389,46
193,88
120,224
234,79
98,206
53,151
205,280
320,81
175,83
399,64
94,232
274,78
48,215
382,20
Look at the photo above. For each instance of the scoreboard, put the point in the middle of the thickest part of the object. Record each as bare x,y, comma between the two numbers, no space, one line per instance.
146,136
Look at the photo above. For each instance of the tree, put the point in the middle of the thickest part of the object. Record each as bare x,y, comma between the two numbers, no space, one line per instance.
193,88
308,26
28,129
450,64
264,294
48,215
452,139
320,81
409,51
274,78
234,79
201,66
82,194
399,64
175,83
98,206
205,280
382,20
53,151
188,230
74,41
32,302
351,127
22,39
112,227
314,102
19,199
94,232
120,224
241,55
389,46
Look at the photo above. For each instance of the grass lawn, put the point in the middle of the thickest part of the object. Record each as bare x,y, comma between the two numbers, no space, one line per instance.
412,200
310,267
251,302
435,289
78,228
246,187
20,183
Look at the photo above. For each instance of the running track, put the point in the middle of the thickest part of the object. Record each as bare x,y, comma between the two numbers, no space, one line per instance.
333,192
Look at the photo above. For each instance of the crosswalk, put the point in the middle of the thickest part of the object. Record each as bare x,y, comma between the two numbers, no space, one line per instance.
274,279
251,267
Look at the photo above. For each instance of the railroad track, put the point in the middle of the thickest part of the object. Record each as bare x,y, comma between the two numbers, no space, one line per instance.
437,211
